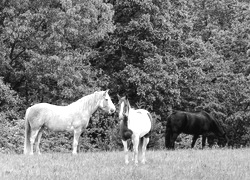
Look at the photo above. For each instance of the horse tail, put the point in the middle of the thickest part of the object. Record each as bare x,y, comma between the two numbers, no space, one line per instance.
152,122
168,132
27,133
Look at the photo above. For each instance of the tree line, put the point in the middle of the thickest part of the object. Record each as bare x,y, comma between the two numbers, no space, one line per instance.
163,55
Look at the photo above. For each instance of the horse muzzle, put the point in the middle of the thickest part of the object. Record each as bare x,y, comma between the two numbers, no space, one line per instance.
112,111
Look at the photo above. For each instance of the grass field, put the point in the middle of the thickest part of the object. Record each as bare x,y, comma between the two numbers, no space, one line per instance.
180,164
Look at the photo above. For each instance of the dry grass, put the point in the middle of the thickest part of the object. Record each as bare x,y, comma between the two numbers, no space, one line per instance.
180,164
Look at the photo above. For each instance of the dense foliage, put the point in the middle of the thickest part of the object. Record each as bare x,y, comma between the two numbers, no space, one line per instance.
162,54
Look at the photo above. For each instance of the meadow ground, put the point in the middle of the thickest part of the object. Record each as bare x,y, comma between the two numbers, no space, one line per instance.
179,164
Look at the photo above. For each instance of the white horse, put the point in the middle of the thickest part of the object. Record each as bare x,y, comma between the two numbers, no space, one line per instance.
137,125
74,117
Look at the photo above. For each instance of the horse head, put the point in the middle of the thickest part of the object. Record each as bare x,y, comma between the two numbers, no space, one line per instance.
123,107
221,131
225,136
106,103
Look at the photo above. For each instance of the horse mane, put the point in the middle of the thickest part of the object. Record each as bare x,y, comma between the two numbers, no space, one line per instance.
217,123
124,131
219,126
128,105
89,101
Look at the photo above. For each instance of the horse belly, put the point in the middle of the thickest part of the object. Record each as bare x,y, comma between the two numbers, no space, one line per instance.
59,121
195,129
58,124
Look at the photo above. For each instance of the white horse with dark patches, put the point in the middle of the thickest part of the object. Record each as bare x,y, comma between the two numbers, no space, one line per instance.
136,124
74,117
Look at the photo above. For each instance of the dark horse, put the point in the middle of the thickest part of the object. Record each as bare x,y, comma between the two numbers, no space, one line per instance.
197,123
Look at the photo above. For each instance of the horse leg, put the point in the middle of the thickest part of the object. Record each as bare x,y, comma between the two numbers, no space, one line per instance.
195,137
144,147
172,140
77,133
125,146
203,141
33,136
38,139
136,140
132,147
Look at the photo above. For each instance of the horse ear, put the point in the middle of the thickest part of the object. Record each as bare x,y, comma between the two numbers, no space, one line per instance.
106,92
118,96
126,113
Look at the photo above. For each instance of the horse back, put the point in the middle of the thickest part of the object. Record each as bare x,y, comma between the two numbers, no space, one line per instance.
177,121
37,111
214,125
190,122
140,122
52,116
199,122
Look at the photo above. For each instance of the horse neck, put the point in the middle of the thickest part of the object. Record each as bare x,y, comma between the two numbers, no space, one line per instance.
129,107
125,119
130,115
89,103
125,122
220,130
